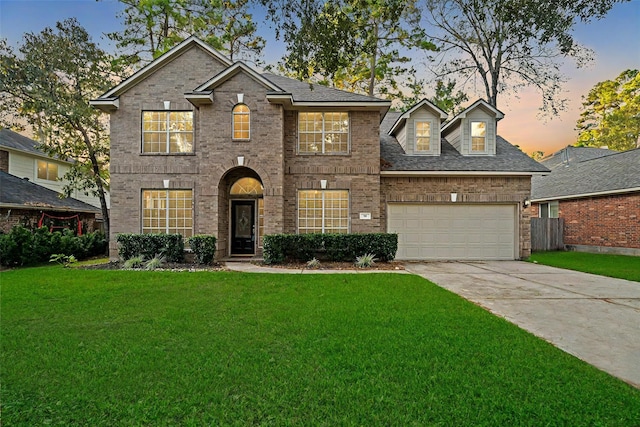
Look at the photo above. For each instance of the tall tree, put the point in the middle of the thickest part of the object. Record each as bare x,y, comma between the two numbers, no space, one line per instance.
152,27
505,45
359,45
49,83
611,114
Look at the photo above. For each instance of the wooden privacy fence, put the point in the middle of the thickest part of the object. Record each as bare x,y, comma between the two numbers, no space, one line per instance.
547,234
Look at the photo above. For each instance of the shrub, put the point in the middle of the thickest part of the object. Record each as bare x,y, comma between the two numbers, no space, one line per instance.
148,245
155,262
203,247
21,246
134,262
365,261
333,247
313,263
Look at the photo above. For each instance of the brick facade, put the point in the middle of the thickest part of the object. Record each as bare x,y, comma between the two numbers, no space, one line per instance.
496,190
270,155
609,221
4,161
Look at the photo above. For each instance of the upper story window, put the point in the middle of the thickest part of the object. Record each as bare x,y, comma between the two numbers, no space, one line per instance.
423,136
47,170
478,137
241,122
326,133
167,132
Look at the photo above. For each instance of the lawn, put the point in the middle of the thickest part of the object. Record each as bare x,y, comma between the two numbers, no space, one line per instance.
101,348
620,266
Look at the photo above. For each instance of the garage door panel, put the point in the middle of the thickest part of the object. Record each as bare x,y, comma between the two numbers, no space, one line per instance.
453,231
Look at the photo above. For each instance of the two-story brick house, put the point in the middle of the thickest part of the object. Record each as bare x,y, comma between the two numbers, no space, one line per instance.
201,145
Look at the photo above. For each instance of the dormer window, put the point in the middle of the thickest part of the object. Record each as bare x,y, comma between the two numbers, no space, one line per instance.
423,135
241,122
478,136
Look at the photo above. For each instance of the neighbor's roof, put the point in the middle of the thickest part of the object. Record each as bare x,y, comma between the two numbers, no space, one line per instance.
508,159
19,193
14,140
611,174
570,155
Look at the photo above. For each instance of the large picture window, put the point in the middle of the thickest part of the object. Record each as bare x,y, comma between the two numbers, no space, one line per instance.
323,211
167,131
167,211
47,170
241,122
323,133
478,137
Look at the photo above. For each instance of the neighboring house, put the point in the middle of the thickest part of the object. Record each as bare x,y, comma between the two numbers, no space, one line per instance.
200,145
597,192
22,157
23,202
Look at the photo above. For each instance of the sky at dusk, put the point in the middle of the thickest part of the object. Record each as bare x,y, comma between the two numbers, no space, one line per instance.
615,41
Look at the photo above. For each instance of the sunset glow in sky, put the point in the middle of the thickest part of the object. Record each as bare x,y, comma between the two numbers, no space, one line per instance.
615,41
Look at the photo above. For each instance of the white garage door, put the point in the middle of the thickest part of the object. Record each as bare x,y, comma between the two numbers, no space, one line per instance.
453,231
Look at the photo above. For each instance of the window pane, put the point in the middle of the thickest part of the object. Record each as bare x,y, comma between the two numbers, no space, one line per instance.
164,132
241,122
323,211
42,169
162,212
423,136
478,136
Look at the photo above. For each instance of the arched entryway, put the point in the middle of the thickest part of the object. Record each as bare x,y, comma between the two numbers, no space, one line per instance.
242,195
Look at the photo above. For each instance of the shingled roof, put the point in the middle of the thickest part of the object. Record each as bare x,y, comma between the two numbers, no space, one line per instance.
570,155
614,173
14,140
19,193
508,158
305,92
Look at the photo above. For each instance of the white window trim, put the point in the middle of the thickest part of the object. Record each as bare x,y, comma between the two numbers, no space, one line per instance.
233,122
167,191
432,148
486,136
323,192
323,152
167,132
548,205
47,162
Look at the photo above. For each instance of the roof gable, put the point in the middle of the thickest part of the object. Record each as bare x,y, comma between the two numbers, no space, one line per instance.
426,104
158,63
479,104
238,67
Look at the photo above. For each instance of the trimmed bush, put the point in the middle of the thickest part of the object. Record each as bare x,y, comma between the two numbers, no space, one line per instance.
21,246
203,247
149,245
332,247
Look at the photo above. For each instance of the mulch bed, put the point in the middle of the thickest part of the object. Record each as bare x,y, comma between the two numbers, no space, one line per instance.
328,265
116,265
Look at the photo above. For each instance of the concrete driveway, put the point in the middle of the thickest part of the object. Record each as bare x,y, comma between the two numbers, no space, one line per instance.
594,318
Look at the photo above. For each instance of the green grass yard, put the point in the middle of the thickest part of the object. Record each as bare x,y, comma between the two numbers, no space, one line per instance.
107,348
619,266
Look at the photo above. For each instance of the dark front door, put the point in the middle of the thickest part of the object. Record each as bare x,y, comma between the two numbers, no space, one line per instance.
243,229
